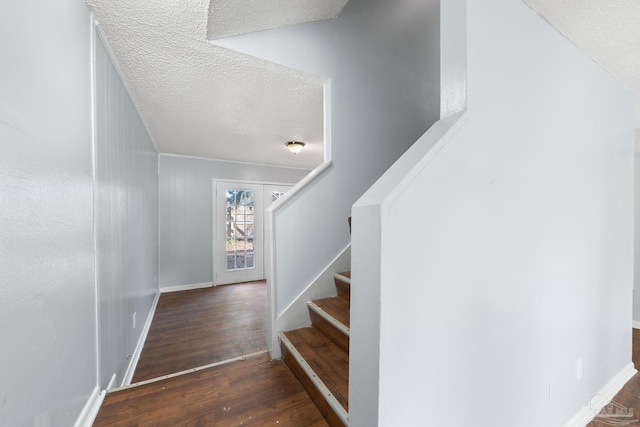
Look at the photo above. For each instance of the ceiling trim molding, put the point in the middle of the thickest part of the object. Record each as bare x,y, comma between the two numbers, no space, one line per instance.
234,161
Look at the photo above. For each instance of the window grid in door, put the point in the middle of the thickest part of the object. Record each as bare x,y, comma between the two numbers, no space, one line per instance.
240,211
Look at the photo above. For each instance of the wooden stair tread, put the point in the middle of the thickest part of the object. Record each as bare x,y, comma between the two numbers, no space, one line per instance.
336,307
329,362
318,355
326,322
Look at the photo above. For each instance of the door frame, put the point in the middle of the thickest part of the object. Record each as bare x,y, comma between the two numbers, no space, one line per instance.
215,251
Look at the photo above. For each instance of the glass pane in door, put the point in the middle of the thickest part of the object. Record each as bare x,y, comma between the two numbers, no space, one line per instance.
240,225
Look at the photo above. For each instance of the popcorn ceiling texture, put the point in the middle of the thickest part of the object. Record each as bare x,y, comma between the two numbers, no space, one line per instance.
609,31
203,100
233,17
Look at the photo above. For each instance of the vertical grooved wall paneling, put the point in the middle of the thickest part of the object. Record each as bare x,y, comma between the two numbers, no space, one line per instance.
126,209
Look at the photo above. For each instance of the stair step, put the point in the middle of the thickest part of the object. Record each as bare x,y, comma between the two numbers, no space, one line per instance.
343,285
331,317
323,369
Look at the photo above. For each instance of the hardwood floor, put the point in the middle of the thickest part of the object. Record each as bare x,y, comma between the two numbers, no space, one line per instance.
192,329
203,326
629,396
253,392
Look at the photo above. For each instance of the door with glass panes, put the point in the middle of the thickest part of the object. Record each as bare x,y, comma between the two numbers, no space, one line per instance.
239,229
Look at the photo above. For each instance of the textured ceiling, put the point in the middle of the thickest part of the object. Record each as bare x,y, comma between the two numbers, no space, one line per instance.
609,31
202,100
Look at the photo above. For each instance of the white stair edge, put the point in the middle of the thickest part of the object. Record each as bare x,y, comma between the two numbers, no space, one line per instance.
319,384
345,279
137,352
329,318
190,370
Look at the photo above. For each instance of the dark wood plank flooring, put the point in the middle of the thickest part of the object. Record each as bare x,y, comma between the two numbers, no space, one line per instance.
199,327
253,392
629,396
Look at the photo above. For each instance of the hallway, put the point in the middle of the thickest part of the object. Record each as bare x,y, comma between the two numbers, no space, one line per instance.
203,326
205,363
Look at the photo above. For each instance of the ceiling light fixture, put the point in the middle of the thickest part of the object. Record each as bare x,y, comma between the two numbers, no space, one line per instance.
294,146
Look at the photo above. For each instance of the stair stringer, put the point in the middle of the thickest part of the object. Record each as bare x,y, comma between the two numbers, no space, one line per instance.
296,315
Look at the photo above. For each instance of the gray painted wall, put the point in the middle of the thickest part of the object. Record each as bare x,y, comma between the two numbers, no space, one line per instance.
49,363
186,212
383,59
47,283
126,215
385,94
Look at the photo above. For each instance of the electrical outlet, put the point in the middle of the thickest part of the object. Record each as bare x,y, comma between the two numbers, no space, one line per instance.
579,369
135,316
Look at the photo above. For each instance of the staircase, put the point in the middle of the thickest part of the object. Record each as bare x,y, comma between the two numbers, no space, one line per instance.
318,355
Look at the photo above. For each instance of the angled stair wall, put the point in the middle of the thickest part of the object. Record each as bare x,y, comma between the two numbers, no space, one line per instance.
319,354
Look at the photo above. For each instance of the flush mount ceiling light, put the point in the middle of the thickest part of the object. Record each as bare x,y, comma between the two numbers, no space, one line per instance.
294,146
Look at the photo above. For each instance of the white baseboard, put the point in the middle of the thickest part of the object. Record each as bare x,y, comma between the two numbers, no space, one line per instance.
595,403
128,375
635,324
91,408
112,382
179,288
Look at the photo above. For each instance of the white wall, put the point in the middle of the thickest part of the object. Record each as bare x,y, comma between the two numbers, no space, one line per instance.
509,256
636,293
186,203
47,284
453,56
383,59
126,214
636,287
636,246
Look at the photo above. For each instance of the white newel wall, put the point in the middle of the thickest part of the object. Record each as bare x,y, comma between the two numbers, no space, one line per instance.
517,243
